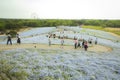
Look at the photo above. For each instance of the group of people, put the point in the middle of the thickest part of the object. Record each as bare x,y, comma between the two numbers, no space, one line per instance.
9,39
62,41
77,43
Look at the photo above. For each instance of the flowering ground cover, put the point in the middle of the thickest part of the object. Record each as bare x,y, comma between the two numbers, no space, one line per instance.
60,64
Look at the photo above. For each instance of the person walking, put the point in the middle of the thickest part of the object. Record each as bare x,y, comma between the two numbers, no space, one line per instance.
76,42
18,39
85,46
49,41
9,39
62,42
79,43
96,41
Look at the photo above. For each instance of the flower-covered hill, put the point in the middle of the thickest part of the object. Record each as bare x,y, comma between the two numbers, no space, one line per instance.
54,63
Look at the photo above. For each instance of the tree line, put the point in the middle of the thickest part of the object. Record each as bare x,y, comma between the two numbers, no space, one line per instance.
16,24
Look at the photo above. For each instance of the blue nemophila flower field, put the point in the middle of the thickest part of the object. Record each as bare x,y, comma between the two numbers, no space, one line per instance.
40,64
60,64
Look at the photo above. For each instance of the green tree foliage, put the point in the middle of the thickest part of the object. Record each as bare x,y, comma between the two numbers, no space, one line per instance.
14,24
113,23
2,26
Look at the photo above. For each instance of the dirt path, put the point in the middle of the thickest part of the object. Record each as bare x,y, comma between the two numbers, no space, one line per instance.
95,48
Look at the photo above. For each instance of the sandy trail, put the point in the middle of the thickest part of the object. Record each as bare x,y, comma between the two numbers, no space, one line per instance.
94,48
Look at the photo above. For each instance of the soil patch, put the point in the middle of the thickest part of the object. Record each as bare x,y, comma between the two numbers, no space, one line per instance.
95,48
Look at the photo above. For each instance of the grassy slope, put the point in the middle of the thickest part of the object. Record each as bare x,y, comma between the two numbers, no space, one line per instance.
113,30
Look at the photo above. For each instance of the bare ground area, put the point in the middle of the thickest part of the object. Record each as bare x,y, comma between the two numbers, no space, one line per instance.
117,29
95,48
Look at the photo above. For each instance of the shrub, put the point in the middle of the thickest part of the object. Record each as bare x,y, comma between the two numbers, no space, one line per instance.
12,33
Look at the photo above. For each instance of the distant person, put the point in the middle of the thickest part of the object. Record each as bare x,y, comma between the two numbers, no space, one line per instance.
96,41
62,42
85,46
54,35
79,43
9,39
18,39
90,41
76,42
49,41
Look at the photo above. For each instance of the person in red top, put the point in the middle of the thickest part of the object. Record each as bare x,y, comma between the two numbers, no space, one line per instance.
85,46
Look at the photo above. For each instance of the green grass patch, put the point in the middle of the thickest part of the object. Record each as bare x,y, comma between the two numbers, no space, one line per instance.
102,28
93,27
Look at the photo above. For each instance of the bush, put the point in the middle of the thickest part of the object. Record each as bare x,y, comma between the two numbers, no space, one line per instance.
12,33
